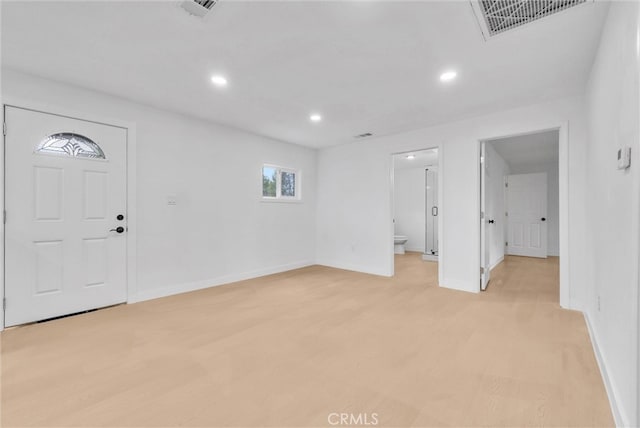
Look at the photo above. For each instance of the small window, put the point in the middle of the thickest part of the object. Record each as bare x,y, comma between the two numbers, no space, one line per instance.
70,144
280,183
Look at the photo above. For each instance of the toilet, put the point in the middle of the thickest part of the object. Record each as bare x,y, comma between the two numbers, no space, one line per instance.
398,243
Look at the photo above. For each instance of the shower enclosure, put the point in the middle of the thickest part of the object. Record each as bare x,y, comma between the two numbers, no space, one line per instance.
431,214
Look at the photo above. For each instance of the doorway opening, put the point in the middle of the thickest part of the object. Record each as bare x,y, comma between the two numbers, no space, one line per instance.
519,200
416,205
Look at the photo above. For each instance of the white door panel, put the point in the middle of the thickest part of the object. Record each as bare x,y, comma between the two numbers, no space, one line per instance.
527,211
485,230
61,256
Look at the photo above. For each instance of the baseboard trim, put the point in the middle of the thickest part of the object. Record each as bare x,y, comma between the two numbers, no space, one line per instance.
214,282
500,260
457,285
353,268
429,258
618,417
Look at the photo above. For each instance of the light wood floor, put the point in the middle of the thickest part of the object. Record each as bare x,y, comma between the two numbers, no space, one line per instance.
289,349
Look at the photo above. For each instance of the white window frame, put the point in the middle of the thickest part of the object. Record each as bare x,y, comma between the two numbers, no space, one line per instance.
279,197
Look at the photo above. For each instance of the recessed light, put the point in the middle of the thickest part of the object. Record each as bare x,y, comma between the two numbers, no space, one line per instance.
411,156
315,118
448,76
219,80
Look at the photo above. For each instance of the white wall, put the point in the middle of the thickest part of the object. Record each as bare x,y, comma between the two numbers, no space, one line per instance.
613,207
553,202
354,229
409,206
354,215
219,231
1,186
495,210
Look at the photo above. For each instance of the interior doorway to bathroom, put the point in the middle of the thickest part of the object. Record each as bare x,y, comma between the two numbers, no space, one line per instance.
415,206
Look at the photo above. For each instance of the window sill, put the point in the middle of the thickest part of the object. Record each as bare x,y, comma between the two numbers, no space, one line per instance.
281,201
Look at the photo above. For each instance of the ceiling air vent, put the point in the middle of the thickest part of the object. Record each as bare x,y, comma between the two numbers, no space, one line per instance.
365,135
498,16
198,7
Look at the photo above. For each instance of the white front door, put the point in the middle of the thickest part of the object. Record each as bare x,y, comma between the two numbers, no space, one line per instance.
526,215
65,200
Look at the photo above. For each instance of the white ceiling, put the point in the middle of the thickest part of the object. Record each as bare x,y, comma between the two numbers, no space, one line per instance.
529,150
367,66
421,159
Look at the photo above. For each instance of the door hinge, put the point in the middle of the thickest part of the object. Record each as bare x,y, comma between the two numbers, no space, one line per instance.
506,184
481,271
506,244
4,217
481,215
4,128
4,303
506,214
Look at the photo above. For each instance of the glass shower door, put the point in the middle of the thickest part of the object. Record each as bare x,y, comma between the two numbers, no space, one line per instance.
431,211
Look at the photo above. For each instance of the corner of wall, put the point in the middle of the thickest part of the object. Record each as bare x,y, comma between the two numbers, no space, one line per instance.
379,271
454,284
1,188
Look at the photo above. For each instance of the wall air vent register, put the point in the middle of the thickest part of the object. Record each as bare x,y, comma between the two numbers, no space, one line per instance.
198,7
365,135
498,16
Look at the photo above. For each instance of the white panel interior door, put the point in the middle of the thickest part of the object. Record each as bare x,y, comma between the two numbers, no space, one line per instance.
527,212
485,230
62,254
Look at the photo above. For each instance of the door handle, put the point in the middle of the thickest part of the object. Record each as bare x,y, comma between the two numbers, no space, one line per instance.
543,219
491,221
118,229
